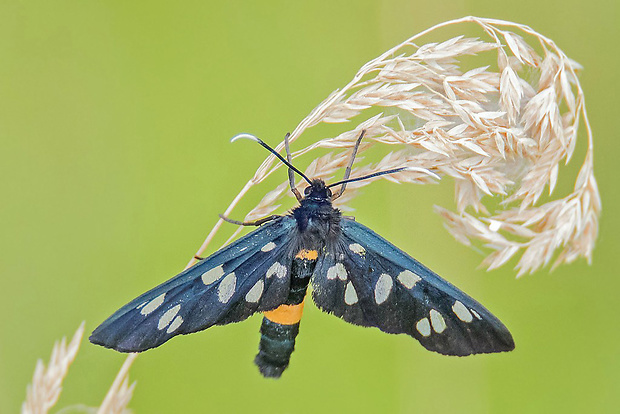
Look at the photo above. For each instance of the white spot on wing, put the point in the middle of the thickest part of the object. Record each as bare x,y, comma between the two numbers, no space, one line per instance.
153,304
176,322
424,327
167,317
357,248
350,295
212,275
337,271
408,279
255,293
462,312
268,247
439,325
383,288
226,289
475,314
276,269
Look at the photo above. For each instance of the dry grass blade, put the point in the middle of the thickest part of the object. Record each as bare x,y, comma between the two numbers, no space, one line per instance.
120,393
500,128
44,391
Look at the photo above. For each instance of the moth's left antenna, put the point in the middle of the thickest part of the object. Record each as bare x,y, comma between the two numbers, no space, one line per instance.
268,148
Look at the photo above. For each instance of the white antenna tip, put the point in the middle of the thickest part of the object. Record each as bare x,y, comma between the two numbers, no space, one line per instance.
244,136
424,171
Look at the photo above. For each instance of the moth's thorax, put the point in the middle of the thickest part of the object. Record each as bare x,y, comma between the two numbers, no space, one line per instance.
317,220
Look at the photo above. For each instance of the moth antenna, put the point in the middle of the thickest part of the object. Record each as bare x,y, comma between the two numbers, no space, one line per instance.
392,171
268,148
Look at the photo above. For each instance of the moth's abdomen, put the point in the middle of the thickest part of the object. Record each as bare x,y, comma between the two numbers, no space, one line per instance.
281,325
278,332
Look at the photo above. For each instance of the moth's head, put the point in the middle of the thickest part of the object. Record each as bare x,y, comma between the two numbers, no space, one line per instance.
318,191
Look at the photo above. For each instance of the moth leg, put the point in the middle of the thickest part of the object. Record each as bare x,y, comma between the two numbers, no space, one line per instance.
291,174
347,172
250,223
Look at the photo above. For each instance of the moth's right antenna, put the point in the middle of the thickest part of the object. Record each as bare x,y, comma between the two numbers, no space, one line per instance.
347,173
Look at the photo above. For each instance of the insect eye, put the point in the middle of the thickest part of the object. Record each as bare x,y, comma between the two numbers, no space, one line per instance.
307,190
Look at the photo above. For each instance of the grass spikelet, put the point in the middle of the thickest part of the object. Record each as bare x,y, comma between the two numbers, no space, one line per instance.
495,129
44,391
120,393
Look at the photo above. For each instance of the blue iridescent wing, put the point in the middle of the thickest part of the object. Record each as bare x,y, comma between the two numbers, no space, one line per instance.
365,280
250,275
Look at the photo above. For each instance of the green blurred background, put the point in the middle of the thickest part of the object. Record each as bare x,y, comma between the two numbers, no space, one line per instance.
114,125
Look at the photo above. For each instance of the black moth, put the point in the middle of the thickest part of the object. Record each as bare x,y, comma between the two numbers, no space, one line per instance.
355,274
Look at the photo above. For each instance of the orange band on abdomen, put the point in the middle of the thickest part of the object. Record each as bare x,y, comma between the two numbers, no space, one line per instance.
286,314
307,254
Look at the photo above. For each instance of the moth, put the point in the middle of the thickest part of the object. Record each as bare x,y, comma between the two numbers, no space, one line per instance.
355,275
